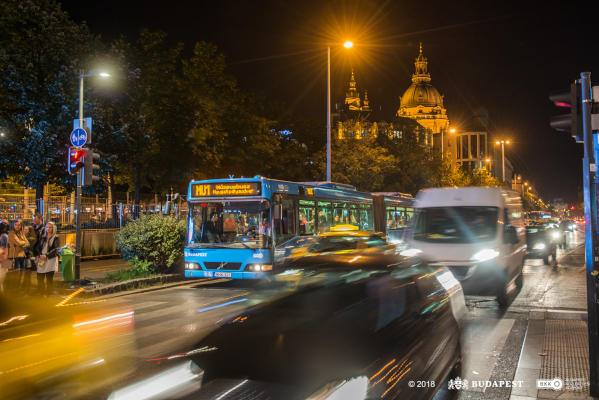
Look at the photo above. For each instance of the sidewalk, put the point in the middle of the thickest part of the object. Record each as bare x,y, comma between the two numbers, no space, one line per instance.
94,270
555,347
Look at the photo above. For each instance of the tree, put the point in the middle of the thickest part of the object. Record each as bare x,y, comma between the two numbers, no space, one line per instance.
482,177
442,172
144,128
362,163
41,52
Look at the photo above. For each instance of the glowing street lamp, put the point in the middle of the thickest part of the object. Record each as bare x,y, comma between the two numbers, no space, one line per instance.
502,143
348,44
452,130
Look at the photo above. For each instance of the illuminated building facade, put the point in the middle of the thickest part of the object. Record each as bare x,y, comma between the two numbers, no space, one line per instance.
423,103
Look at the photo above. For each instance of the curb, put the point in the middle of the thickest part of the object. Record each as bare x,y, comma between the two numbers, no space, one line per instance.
132,284
186,282
546,314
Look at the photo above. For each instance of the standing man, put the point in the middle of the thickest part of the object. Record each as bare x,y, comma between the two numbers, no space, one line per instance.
38,227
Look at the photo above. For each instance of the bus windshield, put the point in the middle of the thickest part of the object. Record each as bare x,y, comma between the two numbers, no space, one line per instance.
230,224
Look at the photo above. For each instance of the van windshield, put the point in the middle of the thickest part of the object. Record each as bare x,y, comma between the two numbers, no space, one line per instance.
456,224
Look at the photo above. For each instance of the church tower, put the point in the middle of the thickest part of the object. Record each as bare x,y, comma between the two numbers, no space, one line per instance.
352,97
354,117
423,103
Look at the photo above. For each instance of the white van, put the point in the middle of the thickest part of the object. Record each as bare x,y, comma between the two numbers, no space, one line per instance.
477,232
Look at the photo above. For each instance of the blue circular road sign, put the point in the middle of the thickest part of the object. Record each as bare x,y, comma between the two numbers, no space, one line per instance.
78,137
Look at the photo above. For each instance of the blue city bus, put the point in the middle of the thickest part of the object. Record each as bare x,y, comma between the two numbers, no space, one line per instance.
240,227
393,213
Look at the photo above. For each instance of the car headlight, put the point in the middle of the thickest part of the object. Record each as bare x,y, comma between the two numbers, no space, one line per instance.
539,246
484,255
259,267
192,265
555,235
410,252
348,389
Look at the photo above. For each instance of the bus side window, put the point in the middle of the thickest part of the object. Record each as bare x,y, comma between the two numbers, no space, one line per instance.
285,222
307,220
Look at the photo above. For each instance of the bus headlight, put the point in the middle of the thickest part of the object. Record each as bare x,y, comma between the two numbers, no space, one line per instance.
259,267
555,235
192,265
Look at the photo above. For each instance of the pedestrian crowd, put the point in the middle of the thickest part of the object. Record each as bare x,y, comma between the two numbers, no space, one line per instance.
28,249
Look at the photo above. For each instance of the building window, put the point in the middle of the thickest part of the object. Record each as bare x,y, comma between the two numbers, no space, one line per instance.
473,146
464,146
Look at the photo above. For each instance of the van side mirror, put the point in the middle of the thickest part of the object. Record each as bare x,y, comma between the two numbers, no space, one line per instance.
510,235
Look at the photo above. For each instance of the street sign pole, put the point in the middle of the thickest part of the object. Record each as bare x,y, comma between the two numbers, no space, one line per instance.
591,148
78,192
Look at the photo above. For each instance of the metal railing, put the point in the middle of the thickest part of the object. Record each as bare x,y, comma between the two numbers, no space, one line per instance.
95,213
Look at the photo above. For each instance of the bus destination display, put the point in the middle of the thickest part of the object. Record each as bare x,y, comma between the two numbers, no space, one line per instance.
226,189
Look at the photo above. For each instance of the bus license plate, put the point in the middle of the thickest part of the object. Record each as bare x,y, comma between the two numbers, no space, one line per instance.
222,274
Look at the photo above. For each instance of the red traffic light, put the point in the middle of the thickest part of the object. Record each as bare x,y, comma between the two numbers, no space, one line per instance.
76,160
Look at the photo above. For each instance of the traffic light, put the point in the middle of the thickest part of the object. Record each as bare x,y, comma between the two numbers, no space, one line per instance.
91,164
571,122
76,160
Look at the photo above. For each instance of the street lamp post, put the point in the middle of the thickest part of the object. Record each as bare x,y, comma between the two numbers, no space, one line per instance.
328,113
82,75
452,130
503,143
348,45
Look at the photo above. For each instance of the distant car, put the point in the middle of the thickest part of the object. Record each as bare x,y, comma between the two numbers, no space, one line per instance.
541,241
351,328
49,351
568,225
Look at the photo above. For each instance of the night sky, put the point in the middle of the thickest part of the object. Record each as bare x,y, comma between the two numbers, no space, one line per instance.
505,56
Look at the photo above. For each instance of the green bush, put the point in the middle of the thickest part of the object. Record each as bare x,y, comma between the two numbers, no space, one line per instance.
153,238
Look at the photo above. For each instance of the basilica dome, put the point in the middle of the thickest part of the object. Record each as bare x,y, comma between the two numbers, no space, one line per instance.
421,94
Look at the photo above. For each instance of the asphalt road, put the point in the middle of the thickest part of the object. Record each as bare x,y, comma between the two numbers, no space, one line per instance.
172,320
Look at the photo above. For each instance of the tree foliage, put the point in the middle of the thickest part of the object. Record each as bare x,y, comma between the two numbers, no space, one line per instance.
41,52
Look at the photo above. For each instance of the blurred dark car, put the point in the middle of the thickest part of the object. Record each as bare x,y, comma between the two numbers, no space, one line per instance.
541,241
567,225
50,348
359,328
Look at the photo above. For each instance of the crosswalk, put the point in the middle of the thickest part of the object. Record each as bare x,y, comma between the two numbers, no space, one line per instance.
167,322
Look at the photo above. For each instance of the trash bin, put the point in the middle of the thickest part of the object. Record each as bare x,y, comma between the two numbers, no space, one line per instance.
68,265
